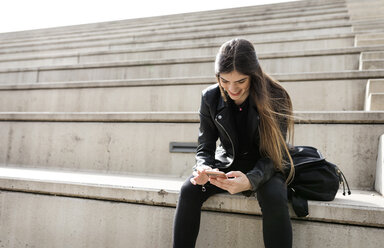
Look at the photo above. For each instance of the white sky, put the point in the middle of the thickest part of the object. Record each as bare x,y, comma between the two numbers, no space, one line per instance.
17,15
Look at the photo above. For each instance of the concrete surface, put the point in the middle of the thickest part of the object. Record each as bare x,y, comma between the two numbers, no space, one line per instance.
372,55
250,15
373,64
177,51
245,24
370,42
365,207
165,95
168,68
277,11
265,44
110,224
103,142
55,221
365,10
374,99
379,182
178,24
275,32
377,101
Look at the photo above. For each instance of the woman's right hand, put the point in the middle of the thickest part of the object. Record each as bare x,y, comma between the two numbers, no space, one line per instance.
199,175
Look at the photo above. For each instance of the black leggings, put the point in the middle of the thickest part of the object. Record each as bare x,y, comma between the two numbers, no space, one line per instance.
272,197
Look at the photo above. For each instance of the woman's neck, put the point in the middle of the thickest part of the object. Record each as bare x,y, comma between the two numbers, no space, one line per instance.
238,102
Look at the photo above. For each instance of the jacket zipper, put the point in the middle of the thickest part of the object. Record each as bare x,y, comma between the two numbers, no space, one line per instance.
233,147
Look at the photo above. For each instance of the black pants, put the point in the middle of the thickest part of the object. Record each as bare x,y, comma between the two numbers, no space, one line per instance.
272,197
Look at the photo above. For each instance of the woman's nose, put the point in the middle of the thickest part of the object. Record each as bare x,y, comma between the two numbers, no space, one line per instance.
232,87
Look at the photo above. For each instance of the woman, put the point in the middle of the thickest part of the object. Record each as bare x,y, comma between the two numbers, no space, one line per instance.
249,112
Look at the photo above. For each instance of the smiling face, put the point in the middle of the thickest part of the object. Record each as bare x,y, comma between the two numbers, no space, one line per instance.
236,85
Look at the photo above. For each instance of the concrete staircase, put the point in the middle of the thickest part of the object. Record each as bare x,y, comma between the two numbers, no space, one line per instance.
88,115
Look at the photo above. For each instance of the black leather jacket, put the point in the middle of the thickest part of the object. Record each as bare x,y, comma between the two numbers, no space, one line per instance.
216,122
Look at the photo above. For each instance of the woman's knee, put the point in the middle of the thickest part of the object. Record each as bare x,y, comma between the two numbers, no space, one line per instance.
273,193
189,191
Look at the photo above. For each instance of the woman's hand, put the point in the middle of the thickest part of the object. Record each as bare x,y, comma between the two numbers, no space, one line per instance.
237,182
199,175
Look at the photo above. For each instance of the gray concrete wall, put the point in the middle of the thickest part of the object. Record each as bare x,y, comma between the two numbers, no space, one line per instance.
273,33
59,57
123,147
379,182
51,221
156,96
252,14
263,45
370,9
189,67
246,24
377,102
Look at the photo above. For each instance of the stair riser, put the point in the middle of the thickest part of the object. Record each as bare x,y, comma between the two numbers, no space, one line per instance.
372,55
144,147
375,42
257,35
246,24
299,45
306,95
328,63
377,102
373,64
277,11
52,221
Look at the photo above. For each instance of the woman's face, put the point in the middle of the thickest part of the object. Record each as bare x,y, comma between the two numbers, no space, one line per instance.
236,85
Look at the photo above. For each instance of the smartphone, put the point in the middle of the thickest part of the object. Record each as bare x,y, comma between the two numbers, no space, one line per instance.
215,174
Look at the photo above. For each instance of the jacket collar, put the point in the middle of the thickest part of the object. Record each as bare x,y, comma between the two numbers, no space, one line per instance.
221,104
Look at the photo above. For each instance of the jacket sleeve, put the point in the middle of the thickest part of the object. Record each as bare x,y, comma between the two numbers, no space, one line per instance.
208,135
260,174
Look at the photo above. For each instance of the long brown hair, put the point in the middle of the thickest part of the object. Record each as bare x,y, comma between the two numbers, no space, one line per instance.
271,99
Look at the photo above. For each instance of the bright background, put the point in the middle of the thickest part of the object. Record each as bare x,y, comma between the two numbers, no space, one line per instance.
17,15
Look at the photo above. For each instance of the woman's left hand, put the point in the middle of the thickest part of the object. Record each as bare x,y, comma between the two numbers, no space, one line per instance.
237,182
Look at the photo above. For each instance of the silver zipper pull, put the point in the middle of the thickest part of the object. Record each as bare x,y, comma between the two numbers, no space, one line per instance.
203,188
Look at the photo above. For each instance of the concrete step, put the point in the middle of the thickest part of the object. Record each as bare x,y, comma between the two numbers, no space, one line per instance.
243,22
76,201
370,42
364,26
183,25
258,33
168,95
365,10
372,60
379,181
376,55
156,53
198,44
119,142
369,36
273,13
374,91
290,62
372,64
377,101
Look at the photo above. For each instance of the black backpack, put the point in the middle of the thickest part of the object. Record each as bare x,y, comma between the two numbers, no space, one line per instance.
314,179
